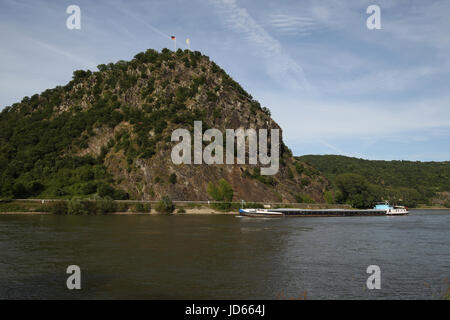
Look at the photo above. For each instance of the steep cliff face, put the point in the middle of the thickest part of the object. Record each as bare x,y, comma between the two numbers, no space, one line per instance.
115,125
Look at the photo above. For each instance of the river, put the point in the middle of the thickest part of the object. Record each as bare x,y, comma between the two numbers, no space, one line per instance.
224,257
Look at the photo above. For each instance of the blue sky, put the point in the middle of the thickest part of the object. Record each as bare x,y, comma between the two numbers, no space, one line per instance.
333,85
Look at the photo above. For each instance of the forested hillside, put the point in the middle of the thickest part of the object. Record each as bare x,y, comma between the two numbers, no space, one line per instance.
407,182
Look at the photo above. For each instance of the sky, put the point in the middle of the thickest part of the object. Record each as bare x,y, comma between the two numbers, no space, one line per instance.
332,84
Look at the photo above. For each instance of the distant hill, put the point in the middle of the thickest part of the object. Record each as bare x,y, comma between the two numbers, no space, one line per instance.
422,182
108,133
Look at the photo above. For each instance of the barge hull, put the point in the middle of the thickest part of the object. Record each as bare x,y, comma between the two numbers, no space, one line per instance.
274,213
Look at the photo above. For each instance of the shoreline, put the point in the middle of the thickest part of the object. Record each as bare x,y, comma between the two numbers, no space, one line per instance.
34,207
130,213
202,211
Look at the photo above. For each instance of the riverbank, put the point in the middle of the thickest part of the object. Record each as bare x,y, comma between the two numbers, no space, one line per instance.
25,213
192,211
188,212
130,207
135,207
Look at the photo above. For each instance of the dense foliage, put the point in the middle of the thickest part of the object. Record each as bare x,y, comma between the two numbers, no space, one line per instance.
362,182
42,138
80,206
165,205
222,192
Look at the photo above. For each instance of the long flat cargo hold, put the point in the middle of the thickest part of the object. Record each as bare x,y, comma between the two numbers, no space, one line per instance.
382,209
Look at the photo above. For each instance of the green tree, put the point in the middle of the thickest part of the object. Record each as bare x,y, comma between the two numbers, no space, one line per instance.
57,207
354,190
76,207
328,197
222,192
165,205
143,208
304,198
105,205
19,190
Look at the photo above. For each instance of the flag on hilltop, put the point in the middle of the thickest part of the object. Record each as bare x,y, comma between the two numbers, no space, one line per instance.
174,43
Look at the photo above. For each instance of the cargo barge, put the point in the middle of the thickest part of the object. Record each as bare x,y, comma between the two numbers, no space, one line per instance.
381,209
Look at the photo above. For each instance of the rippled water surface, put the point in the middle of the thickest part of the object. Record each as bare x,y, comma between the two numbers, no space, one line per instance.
225,257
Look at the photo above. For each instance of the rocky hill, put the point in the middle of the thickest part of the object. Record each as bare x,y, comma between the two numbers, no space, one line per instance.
109,133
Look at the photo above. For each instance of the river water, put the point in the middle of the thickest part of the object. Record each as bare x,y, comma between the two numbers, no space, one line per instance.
225,257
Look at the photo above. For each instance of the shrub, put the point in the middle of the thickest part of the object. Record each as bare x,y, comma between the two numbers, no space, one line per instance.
99,205
299,168
304,182
303,198
120,194
102,67
328,196
254,106
105,205
221,192
181,210
35,188
81,74
165,205
76,207
212,97
88,188
104,190
290,174
19,190
56,207
173,178
143,208
266,111
122,207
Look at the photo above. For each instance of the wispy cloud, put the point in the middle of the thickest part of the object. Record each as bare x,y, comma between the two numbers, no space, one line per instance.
120,6
278,63
65,54
380,80
290,25
330,146
425,22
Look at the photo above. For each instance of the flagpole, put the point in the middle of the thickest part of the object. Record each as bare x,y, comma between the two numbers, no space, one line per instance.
174,43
